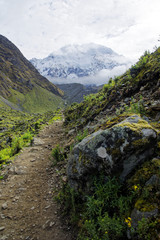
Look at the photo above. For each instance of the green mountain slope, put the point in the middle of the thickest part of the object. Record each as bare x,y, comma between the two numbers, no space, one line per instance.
38,100
4,103
140,84
74,92
21,83
105,206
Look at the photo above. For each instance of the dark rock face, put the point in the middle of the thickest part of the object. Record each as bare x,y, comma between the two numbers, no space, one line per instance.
115,151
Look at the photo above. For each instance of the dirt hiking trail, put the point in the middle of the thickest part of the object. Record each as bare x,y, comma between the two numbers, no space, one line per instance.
27,209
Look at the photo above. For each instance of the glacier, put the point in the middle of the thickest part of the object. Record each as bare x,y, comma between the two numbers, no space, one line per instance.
86,64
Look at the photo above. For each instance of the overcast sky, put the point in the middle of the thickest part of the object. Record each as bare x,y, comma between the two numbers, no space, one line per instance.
39,27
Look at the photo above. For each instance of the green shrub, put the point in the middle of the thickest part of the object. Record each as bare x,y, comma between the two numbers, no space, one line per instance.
142,61
146,228
71,202
57,154
17,144
81,135
107,208
105,88
38,124
101,214
136,107
27,137
5,154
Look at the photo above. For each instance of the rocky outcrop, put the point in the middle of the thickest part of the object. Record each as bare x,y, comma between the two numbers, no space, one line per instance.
114,151
137,216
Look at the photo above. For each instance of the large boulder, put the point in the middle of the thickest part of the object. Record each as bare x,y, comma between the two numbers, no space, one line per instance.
115,151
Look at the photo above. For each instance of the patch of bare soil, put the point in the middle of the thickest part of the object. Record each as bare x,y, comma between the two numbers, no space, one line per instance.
27,209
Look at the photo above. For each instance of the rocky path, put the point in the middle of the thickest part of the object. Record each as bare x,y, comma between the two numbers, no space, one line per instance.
27,209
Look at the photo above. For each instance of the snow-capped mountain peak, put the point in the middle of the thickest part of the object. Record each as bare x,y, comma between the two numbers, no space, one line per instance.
78,63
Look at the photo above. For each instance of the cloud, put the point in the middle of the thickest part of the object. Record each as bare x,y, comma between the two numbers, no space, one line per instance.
39,27
100,78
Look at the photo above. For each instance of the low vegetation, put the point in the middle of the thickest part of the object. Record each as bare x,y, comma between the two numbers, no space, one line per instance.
107,210
134,91
17,130
57,154
38,100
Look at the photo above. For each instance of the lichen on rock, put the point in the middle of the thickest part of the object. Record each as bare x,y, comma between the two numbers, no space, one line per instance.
114,151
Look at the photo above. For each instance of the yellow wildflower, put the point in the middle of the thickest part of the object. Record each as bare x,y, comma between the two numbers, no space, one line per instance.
135,187
128,221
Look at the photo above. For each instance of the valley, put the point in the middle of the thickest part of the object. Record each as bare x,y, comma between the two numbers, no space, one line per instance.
74,166
75,92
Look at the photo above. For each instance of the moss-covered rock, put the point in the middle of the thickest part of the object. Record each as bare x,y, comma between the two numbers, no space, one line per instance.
137,215
114,151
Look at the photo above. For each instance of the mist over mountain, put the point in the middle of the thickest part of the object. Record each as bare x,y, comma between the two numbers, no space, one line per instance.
85,64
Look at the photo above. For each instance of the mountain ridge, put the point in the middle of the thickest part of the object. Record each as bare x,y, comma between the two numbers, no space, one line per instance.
75,92
74,63
18,77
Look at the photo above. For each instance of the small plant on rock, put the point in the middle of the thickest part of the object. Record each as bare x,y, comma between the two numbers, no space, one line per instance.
81,135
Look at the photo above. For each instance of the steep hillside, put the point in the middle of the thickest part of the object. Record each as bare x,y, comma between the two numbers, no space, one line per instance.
4,103
19,80
140,86
113,165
